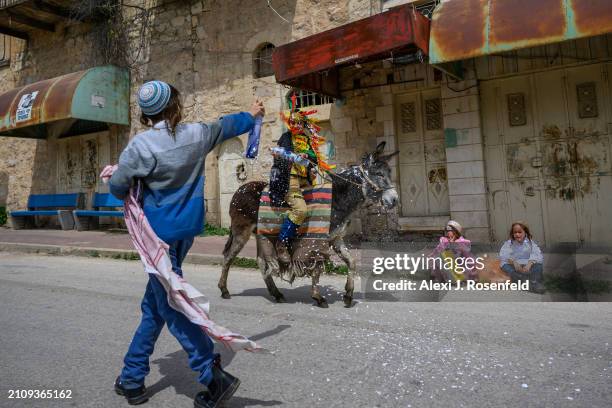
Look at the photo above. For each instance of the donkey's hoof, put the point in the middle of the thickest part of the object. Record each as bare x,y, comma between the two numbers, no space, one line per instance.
225,294
348,301
321,302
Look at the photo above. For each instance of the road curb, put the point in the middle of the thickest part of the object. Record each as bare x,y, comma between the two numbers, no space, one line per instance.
91,252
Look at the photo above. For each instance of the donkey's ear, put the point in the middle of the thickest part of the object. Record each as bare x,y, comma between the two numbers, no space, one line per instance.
380,148
388,157
367,159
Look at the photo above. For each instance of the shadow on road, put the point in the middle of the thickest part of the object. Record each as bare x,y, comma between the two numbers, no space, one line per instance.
236,402
176,373
228,355
300,294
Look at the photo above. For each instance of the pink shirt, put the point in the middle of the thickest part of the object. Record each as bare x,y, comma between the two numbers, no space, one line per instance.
460,246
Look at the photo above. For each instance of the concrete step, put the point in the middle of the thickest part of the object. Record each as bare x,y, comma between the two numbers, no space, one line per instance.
423,223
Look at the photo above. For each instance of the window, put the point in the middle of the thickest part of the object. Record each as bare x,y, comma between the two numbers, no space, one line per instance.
5,50
425,7
262,61
308,98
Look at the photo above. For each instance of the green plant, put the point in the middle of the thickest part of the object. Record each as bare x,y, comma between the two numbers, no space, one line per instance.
212,230
330,267
245,262
127,256
131,256
2,215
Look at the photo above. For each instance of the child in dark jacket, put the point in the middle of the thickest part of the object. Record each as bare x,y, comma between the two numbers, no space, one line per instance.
169,159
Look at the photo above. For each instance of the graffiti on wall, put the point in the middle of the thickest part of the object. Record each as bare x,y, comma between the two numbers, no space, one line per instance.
89,169
571,161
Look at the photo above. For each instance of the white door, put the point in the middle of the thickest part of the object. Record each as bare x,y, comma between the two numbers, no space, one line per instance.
422,157
547,147
232,173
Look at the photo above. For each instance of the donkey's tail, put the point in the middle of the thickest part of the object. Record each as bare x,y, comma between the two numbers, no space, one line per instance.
243,212
228,243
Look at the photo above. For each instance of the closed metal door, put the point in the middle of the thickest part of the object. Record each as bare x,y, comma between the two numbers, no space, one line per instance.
422,157
80,160
547,151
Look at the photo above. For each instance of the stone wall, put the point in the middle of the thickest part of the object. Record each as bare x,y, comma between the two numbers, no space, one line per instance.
16,155
465,158
204,48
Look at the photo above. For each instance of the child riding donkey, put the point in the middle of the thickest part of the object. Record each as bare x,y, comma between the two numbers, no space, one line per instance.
296,160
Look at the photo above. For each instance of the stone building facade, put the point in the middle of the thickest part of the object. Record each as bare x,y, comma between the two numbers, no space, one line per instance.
485,150
205,48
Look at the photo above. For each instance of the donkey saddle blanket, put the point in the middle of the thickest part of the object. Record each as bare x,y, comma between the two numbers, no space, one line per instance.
316,226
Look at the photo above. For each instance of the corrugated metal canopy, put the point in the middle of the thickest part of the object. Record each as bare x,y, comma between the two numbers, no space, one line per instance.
312,63
78,101
462,29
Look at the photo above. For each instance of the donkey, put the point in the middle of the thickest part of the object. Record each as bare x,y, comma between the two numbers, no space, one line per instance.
368,183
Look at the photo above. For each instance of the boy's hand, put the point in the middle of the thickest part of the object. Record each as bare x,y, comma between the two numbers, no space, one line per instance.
257,109
313,173
275,153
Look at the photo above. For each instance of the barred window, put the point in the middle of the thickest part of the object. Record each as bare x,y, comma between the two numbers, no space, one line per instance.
425,7
308,98
262,61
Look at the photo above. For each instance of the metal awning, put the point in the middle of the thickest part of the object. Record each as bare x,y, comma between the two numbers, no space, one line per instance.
81,101
312,63
462,29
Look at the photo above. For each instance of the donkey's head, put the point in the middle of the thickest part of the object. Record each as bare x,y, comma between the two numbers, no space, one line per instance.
377,185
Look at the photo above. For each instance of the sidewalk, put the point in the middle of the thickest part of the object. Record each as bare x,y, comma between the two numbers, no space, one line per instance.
209,250
592,272
205,250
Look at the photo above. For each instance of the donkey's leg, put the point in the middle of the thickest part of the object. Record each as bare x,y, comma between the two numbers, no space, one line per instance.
273,290
268,266
343,252
238,238
321,302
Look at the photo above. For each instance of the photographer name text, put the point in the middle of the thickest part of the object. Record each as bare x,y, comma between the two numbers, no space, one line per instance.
405,284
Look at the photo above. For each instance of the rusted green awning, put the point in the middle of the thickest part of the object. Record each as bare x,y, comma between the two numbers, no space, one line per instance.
80,102
463,29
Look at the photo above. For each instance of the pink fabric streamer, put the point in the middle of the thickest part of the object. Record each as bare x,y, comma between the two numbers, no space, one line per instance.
182,297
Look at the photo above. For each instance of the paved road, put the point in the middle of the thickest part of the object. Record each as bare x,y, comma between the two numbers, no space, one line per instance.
66,322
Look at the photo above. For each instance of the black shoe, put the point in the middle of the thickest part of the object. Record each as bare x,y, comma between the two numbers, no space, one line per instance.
133,396
222,387
536,287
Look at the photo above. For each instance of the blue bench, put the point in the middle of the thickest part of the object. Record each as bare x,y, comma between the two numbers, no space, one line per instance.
88,219
60,205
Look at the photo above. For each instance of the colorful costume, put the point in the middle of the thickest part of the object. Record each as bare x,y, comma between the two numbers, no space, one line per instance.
288,178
